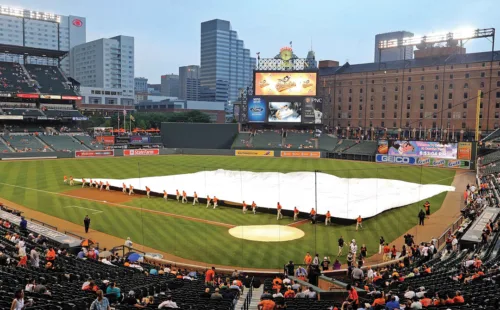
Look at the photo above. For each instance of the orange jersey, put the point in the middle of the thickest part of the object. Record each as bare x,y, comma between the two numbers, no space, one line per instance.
183,194
71,178
208,198
216,199
177,192
253,205
278,207
65,177
83,181
164,193
100,183
147,189
244,205
328,215
131,187
195,195
295,211
124,185
359,219
313,212
107,183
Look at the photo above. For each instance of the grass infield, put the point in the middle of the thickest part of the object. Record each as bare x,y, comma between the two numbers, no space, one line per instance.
34,183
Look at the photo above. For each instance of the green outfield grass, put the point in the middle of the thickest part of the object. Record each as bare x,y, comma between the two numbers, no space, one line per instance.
34,184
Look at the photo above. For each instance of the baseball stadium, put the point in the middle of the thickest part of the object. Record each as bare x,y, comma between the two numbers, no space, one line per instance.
283,207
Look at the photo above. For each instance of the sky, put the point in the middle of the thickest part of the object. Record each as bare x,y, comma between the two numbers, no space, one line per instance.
167,32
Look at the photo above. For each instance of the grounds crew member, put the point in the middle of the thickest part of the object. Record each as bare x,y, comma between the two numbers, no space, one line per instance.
86,223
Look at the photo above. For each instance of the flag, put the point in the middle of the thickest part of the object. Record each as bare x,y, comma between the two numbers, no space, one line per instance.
132,118
124,112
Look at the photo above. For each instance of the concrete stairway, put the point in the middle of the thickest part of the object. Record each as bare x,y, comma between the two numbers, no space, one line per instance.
44,143
257,292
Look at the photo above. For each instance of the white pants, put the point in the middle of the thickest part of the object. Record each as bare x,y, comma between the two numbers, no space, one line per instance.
244,210
254,210
101,187
83,184
358,225
208,203
107,187
215,205
328,221
178,197
380,248
165,197
130,192
279,215
295,216
147,193
91,184
71,183
124,190
195,200
184,199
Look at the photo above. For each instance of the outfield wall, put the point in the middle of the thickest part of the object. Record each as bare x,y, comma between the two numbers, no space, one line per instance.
204,136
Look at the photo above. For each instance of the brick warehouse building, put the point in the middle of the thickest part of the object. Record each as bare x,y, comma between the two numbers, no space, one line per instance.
414,95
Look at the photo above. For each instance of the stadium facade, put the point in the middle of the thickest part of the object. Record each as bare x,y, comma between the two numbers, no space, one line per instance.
27,28
226,65
395,53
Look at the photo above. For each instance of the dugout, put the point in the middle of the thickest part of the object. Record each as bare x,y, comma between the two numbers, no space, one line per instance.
198,135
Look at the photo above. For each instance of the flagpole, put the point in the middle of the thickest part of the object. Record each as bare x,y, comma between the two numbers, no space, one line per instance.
130,123
118,122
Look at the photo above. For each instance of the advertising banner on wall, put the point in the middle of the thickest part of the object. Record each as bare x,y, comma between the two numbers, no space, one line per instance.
285,111
106,139
418,148
95,153
464,150
312,110
139,139
257,153
141,152
423,161
300,154
285,83
257,110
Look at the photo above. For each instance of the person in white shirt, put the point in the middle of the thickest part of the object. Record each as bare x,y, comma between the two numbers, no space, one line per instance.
287,281
129,244
310,293
166,270
370,275
277,295
354,247
409,294
421,292
416,304
454,243
34,258
168,303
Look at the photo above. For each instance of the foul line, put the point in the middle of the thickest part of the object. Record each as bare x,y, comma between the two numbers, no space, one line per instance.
127,207
295,224
96,211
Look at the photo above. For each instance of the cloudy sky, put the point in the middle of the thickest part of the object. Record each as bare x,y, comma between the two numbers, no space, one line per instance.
167,32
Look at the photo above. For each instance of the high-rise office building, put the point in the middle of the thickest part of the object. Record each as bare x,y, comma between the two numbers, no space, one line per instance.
106,63
23,27
396,53
226,65
189,82
170,85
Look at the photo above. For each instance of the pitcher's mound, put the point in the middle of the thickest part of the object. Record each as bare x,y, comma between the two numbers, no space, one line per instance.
266,233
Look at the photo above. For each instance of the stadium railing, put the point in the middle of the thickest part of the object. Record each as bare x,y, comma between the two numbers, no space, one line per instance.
43,224
248,299
74,235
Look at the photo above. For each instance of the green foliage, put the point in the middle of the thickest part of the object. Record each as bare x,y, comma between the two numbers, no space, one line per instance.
151,119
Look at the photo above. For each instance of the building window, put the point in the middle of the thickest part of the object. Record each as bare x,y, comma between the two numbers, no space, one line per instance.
465,105
496,114
435,106
371,114
497,105
383,89
371,98
483,64
371,107
422,77
350,90
434,115
498,83
483,74
361,108
372,90
450,96
395,106
361,82
463,125
350,99
361,90
383,115
467,75
408,98
498,94
422,97
464,115
451,76
436,86
373,81
481,85
350,108
409,88
407,115
435,96
466,95
395,97
340,99
397,80
450,86
449,114
421,106
421,115
466,85
408,106
437,77
422,87
383,107
382,124
409,78
383,98
395,115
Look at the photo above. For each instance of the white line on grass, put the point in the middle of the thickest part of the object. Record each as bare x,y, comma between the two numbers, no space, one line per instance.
96,211
125,206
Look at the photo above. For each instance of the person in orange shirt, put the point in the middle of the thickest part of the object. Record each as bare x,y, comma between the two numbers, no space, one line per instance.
107,186
308,259
278,210
91,183
71,181
277,282
124,188
289,293
101,185
195,198
83,183
426,301
65,180
210,276
96,185
177,195
427,207
244,205
295,213
130,190
165,196
254,207
328,218
184,197
380,301
387,253
359,222
148,192
215,202
266,304
458,299
51,254
208,201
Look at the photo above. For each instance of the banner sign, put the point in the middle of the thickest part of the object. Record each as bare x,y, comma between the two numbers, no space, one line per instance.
254,153
11,117
285,83
50,97
423,161
95,153
464,150
139,139
71,98
300,154
418,148
141,152
28,96
257,110
106,139
80,118
5,95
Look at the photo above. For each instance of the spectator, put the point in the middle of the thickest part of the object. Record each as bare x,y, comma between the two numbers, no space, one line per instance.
310,293
129,244
206,294
168,303
51,254
416,304
216,295
18,302
100,303
112,289
265,295
23,225
266,304
289,293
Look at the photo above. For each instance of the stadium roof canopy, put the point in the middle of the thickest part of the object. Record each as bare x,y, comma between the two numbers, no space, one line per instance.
31,51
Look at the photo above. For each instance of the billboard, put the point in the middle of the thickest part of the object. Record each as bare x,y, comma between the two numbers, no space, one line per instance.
50,97
285,112
257,110
285,83
423,161
141,152
464,150
106,139
421,148
312,110
300,154
256,153
139,139
95,153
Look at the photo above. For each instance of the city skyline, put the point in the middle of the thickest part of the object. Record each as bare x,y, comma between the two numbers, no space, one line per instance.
347,35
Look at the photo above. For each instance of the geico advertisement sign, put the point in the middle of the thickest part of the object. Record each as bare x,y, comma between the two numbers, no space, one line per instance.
141,152
405,160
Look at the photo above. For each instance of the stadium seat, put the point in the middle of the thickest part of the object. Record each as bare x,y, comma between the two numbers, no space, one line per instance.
50,79
13,79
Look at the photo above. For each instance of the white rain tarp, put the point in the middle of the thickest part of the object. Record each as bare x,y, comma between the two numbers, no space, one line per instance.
344,198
